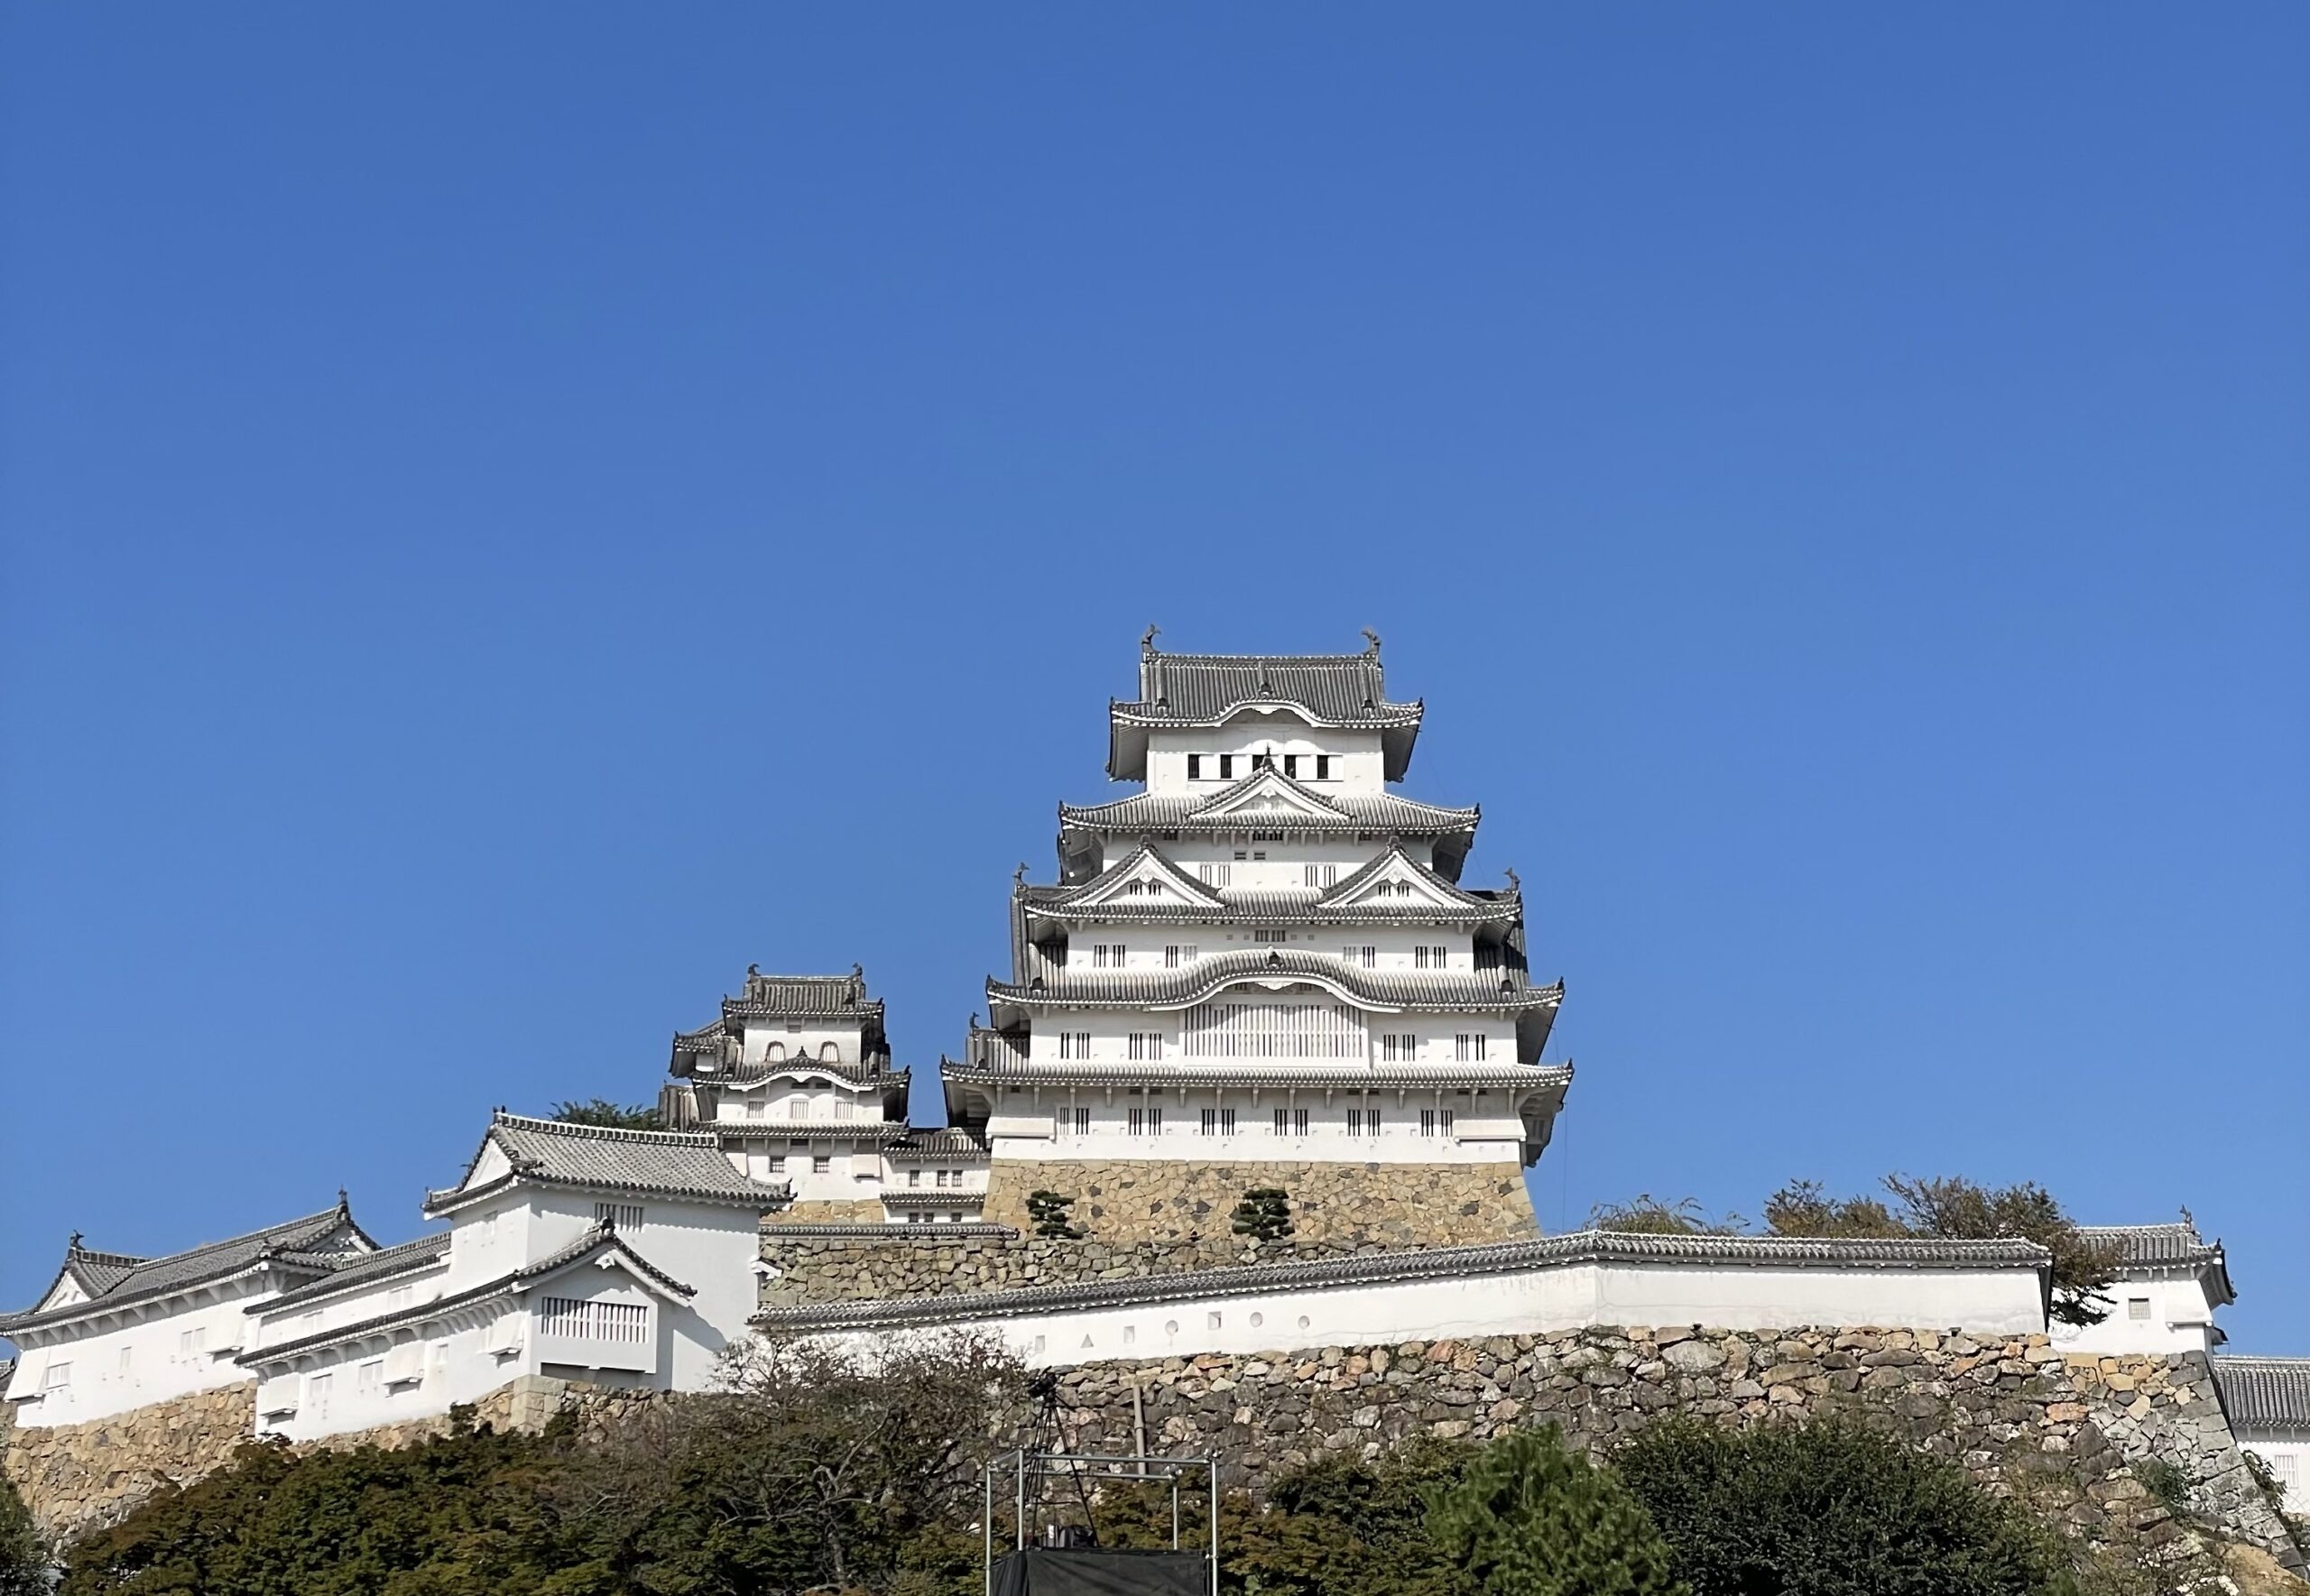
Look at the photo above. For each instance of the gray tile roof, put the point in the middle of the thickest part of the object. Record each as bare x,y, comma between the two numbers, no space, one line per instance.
1199,689
1456,1262
1379,813
1205,690
687,1166
407,1258
882,1231
946,1142
1196,904
823,997
1486,993
2265,1395
1002,1069
601,1238
2149,1244
2175,1245
314,1245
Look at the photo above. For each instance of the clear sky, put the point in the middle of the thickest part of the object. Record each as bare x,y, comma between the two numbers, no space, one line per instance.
513,513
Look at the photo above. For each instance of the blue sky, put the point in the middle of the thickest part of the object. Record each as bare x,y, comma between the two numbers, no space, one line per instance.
512,514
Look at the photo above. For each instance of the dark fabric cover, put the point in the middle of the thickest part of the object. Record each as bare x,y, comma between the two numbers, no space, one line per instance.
1037,1572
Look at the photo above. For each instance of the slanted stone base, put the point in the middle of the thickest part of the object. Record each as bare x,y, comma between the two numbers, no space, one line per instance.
823,1210
79,1478
1171,1200
75,1478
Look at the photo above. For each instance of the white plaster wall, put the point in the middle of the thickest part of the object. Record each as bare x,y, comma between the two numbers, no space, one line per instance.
1542,1298
488,1238
270,1327
1395,949
457,1367
158,1367
848,1040
1111,1030
1357,764
1279,871
2179,1318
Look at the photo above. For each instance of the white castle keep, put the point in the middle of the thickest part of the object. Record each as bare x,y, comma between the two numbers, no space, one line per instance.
1264,972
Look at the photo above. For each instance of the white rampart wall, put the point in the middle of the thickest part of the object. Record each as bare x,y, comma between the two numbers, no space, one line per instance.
1544,1297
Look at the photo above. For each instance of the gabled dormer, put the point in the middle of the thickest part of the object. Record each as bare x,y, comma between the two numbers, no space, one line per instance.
1142,879
1396,880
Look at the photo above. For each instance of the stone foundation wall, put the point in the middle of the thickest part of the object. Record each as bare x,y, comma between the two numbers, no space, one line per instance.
2061,1431
75,1478
1172,1200
823,1210
79,1478
915,1261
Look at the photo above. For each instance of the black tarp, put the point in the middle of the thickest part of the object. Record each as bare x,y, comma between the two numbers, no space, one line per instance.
1038,1572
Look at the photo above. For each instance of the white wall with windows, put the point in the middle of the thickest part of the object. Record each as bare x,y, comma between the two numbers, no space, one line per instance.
136,1354
1203,760
1411,1125
2151,1311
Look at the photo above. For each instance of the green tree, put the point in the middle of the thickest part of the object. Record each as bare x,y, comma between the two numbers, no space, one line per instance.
23,1554
1345,1527
1530,1517
614,1116
1829,1509
1959,1209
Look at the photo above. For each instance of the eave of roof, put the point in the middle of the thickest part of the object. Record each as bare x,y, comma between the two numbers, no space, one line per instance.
2265,1395
527,1143
1194,983
1378,814
1345,1077
370,1270
1586,1247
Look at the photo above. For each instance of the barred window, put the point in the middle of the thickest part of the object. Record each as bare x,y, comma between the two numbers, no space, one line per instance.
624,1216
584,1319
1401,1047
1147,1046
1275,1030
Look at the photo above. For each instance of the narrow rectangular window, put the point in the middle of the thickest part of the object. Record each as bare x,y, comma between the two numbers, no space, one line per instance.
1298,1121
190,1341
777,1164
1283,1121
1083,1121
1371,959
1480,1041
1195,767
369,1377
1461,1049
1136,1121
1171,956
126,1357
1241,855
822,1164
1270,935
1227,766
1356,1122
624,1216
1210,1122
1420,958
1291,764
914,1177
1227,1121
1445,1116
1323,767
1260,762
1428,1121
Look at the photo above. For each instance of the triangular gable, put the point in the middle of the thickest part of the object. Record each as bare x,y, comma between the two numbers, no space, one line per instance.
63,1294
1266,794
1144,867
491,1163
1396,880
612,1251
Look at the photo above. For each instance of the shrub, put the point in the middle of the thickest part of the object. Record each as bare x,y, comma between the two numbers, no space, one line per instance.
1829,1509
1648,1215
1530,1517
1052,1214
1264,1214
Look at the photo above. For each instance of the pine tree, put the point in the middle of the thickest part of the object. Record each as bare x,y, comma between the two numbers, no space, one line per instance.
1529,1518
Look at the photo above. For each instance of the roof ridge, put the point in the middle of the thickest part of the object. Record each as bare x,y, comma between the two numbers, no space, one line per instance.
601,1132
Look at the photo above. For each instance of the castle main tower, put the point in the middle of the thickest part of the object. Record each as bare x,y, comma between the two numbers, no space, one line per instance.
1262,970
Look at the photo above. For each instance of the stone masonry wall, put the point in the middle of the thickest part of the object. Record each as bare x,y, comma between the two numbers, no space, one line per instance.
1171,1200
2060,1431
79,1478
917,1260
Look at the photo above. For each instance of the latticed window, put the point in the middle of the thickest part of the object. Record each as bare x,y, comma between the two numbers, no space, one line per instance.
1275,1030
583,1319
625,1216
1075,1044
1147,1046
1319,875
1436,1121
1399,1047
1176,954
1468,1048
1364,958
